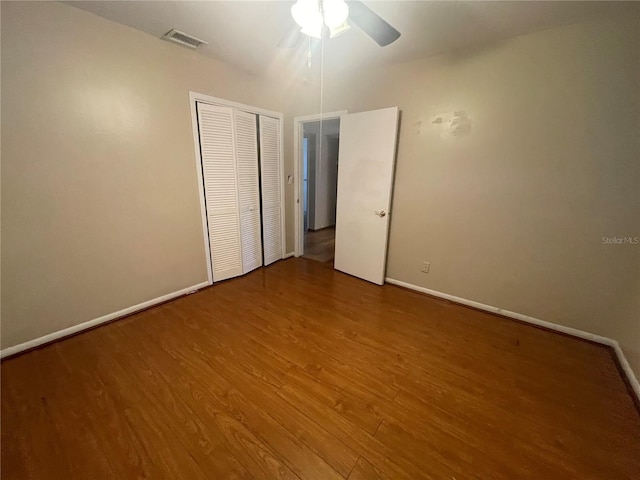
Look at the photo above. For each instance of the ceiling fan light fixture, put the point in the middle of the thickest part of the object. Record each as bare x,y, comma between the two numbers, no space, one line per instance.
335,12
303,11
313,30
339,30
307,15
311,15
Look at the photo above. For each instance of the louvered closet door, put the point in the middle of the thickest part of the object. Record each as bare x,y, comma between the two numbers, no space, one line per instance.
221,193
249,191
271,180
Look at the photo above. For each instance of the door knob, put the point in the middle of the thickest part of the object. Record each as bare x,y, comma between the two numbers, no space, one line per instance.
380,213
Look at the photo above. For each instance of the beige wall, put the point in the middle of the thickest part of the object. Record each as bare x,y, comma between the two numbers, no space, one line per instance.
99,190
513,214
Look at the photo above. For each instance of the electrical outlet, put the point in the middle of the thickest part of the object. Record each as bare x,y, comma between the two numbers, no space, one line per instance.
425,267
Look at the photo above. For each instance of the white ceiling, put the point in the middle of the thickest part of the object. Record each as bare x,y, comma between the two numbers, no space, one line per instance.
246,33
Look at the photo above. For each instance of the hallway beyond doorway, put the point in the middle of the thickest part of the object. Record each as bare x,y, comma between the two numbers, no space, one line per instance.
319,244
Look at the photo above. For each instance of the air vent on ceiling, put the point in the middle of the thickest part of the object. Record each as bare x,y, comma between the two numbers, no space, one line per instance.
183,39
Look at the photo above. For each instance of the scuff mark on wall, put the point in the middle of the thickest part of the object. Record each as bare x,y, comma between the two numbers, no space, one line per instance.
453,124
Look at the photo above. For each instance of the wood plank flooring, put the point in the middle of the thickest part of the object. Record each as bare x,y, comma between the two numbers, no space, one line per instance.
319,245
296,371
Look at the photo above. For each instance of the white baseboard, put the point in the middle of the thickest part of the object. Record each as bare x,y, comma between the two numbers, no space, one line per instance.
289,255
96,321
633,381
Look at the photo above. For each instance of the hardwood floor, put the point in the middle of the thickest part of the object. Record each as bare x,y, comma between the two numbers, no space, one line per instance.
319,245
296,371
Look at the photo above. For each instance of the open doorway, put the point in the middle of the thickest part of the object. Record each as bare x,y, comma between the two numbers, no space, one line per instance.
319,158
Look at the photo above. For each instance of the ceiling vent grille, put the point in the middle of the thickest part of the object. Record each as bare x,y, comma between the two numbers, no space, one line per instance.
183,39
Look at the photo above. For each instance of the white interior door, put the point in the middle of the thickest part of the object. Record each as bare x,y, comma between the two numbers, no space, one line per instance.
217,150
246,133
271,180
366,162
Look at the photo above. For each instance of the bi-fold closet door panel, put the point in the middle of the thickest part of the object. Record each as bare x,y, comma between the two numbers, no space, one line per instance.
217,151
248,188
271,180
238,181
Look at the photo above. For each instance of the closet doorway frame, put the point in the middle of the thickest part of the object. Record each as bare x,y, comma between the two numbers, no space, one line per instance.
195,97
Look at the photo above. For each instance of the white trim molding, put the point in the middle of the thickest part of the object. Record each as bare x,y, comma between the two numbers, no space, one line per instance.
289,255
60,334
574,332
201,195
298,171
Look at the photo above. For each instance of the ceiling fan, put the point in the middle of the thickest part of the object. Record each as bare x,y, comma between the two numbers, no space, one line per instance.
312,17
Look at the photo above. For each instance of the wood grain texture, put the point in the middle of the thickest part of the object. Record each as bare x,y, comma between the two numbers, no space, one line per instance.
297,371
319,245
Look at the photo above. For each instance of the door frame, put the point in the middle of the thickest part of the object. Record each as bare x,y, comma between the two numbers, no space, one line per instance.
298,132
195,97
